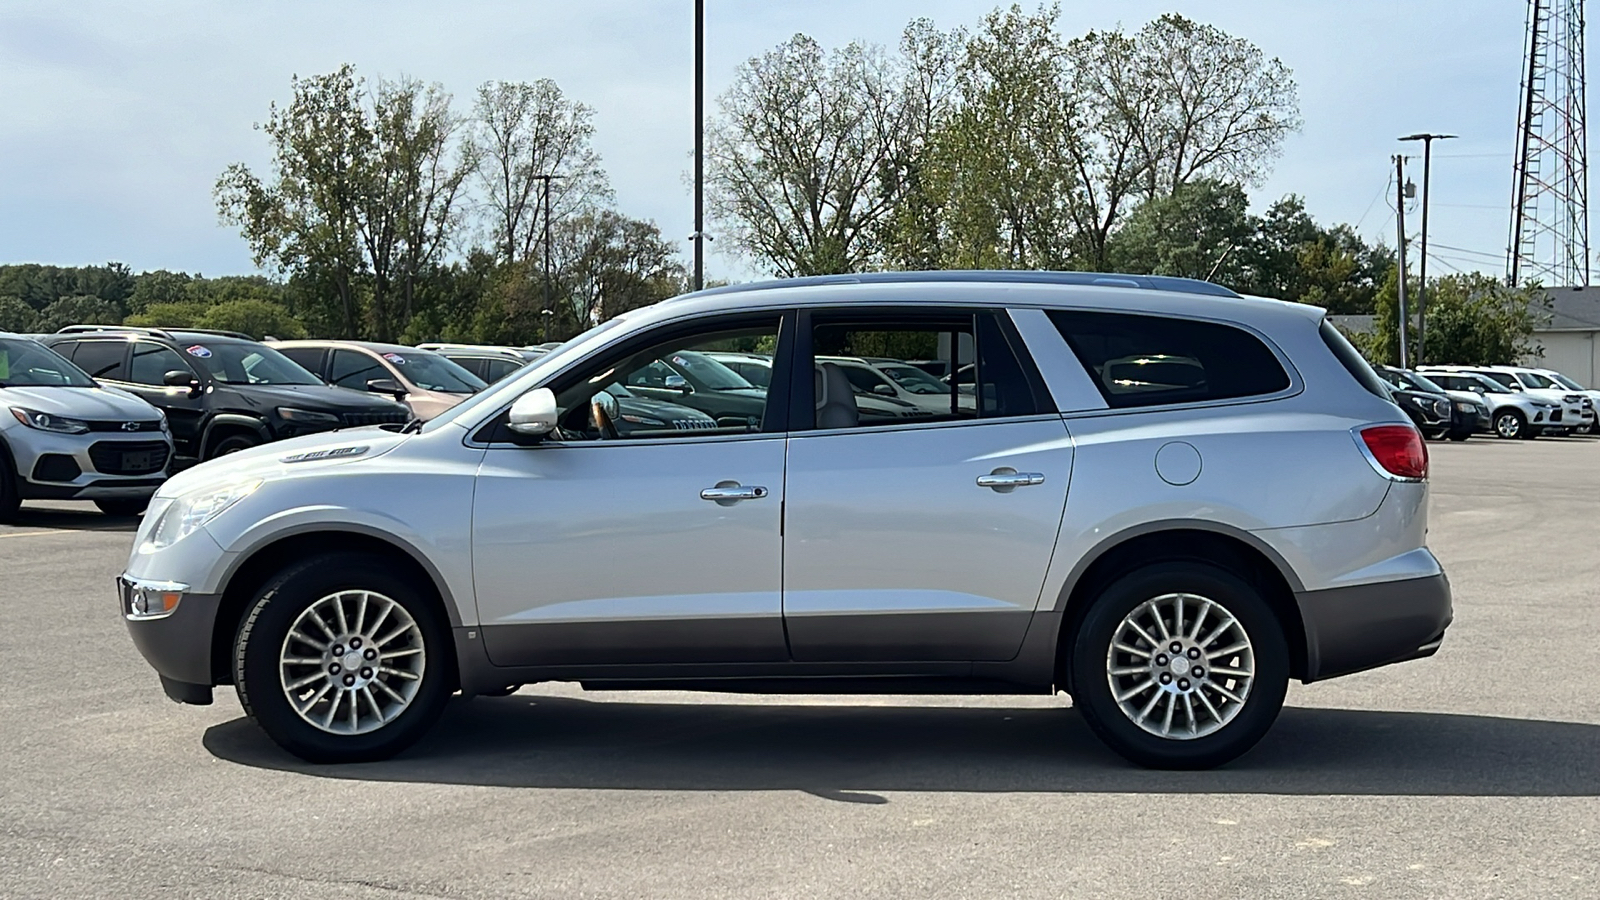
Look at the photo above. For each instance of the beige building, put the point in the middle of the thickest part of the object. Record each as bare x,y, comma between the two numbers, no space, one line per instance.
1568,338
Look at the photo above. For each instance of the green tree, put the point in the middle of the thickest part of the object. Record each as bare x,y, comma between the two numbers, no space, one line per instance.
84,309
16,316
615,264
1473,319
1202,230
181,314
257,318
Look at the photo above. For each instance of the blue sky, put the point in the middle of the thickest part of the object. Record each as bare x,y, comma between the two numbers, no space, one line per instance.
116,118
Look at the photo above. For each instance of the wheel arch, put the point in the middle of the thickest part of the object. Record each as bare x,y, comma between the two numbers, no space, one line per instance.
222,424
1211,543
253,568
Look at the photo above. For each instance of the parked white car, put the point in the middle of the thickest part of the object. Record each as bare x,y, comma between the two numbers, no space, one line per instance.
1514,414
1558,381
1569,413
1223,534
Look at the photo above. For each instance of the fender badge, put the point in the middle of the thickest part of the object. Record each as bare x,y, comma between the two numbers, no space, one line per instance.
335,453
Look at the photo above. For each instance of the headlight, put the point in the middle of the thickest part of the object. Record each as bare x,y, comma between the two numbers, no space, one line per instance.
1441,408
306,416
186,514
643,420
49,422
1466,407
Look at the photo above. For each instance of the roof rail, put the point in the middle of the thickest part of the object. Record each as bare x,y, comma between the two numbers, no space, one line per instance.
216,331
992,276
126,329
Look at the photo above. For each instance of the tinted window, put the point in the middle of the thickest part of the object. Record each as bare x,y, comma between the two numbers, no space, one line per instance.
1139,360
308,358
353,369
1534,380
1501,378
101,359
1005,385
152,361
496,369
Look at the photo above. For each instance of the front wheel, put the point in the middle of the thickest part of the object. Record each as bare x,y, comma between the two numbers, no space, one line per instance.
1510,424
341,660
233,443
123,506
1180,666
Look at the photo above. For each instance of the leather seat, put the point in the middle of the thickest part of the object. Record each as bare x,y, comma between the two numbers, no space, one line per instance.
836,400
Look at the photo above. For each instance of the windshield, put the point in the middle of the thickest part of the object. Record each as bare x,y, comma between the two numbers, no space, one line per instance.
1566,382
241,362
27,364
433,372
708,372
913,379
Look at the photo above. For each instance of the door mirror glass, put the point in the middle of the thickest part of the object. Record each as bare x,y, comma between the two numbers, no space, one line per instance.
603,413
883,390
534,413
676,383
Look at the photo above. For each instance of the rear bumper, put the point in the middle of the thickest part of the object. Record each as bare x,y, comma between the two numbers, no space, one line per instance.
1351,629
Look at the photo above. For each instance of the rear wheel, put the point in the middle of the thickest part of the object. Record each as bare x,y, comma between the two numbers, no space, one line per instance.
1180,666
341,660
123,506
1509,424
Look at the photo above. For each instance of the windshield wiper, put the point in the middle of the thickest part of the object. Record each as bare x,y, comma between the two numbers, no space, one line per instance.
414,425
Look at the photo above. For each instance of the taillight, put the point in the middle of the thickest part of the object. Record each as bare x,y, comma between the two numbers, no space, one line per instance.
1398,450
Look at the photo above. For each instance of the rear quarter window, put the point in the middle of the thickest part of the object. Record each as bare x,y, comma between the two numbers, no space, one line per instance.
1139,360
1352,360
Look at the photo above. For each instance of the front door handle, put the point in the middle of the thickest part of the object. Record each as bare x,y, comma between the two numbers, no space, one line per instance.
727,493
1006,479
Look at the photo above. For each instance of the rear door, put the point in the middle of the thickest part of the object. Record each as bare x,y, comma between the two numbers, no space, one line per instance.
925,538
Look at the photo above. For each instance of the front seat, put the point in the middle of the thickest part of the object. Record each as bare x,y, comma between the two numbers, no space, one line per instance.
836,401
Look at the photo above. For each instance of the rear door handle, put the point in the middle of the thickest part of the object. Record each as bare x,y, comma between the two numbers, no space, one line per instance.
727,493
1006,479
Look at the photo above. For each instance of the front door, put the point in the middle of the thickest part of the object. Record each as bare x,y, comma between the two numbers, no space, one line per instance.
619,542
927,539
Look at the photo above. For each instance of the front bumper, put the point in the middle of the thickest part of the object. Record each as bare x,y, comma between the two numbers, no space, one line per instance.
178,644
1351,629
40,457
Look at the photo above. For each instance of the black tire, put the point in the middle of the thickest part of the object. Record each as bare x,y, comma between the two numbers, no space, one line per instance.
1459,435
266,627
123,506
1510,424
1091,659
10,497
232,443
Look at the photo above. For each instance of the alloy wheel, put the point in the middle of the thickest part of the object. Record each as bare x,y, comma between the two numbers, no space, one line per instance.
1508,425
352,662
1180,666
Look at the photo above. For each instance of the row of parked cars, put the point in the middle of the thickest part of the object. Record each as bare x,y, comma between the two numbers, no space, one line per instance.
1457,402
103,413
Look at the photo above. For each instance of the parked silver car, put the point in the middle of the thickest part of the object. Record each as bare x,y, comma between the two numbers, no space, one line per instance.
64,437
1224,533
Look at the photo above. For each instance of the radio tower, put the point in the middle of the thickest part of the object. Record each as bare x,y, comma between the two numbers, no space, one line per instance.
1550,201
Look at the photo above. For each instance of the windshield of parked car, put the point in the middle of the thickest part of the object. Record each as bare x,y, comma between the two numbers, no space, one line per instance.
432,372
28,364
1566,382
245,362
708,372
912,379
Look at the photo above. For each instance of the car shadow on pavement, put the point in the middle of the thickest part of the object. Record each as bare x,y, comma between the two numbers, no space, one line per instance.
849,752
86,519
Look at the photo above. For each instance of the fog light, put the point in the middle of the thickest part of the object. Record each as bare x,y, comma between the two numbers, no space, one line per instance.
153,599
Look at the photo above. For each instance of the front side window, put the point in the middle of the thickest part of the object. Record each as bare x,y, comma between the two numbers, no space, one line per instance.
668,389
27,364
353,369
101,359
433,372
151,362
1142,360
1502,379
308,358
1535,380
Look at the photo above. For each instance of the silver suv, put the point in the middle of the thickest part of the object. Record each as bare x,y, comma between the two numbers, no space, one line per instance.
65,437
1247,508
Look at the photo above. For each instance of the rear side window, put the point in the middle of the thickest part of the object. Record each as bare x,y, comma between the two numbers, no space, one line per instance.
101,359
308,358
1139,360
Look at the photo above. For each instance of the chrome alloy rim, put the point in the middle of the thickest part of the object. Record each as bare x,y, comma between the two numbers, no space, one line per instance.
1507,426
352,662
1180,666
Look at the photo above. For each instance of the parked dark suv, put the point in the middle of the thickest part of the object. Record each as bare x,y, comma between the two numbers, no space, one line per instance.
221,391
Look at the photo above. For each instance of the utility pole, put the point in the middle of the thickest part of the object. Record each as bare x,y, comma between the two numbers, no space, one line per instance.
545,310
1422,273
699,142
1400,229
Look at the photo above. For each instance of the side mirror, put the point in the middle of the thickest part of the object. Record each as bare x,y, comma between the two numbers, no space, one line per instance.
182,378
676,383
883,390
603,414
534,413
386,386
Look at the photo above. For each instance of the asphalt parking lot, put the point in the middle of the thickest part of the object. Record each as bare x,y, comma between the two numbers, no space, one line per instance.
1473,774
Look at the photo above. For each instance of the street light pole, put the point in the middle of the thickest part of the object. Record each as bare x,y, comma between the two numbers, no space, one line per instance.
699,142
1422,283
1400,228
545,310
